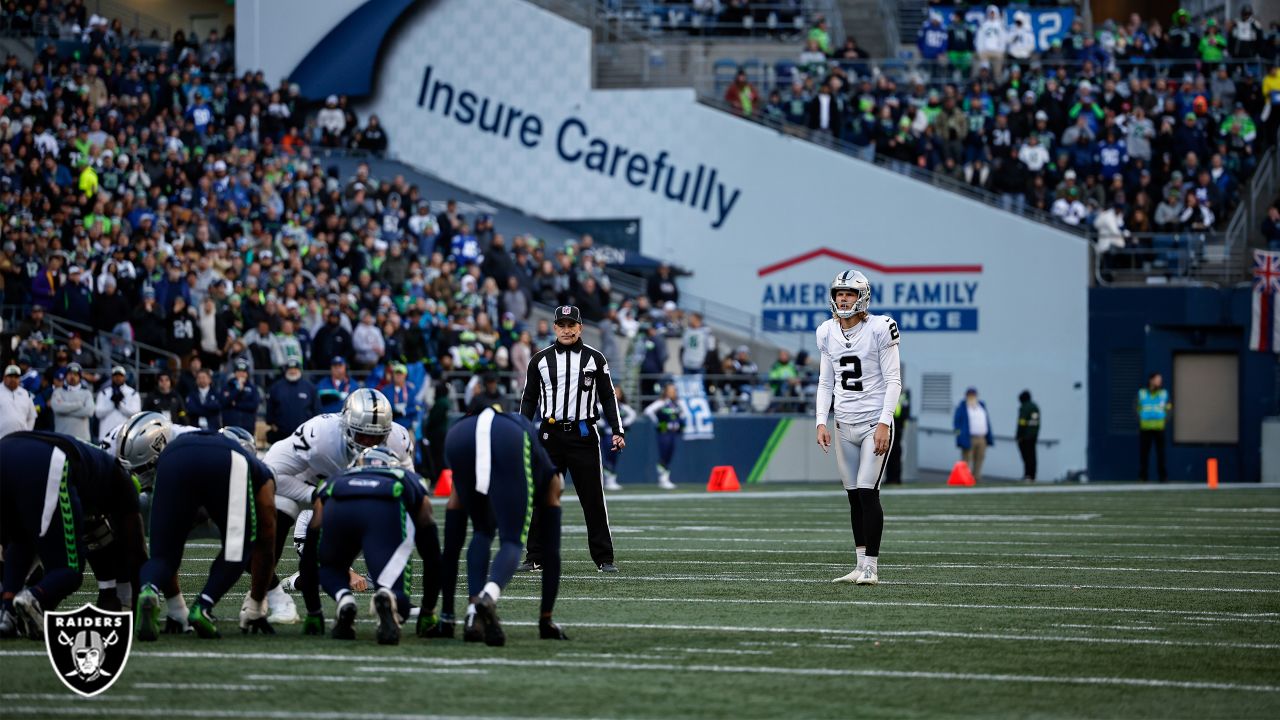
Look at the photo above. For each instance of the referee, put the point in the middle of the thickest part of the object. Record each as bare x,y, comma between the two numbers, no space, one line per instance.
565,382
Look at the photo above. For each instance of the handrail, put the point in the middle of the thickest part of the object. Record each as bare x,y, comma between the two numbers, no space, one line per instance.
928,430
902,168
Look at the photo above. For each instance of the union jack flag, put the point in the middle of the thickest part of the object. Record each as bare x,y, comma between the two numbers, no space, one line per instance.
1264,331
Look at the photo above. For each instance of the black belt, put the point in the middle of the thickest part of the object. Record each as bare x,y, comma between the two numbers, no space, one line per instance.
570,426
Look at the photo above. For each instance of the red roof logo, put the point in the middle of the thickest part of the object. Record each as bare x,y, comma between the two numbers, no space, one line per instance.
874,266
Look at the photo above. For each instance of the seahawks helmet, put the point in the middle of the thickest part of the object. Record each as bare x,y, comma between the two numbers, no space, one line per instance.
856,282
366,413
374,457
142,439
241,436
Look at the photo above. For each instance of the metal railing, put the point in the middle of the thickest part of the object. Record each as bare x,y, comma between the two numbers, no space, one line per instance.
924,175
1187,258
636,19
111,351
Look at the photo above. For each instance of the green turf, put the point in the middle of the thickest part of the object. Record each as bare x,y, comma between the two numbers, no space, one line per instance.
1043,604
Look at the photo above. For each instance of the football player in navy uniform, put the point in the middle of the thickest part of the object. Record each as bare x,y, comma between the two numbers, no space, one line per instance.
219,472
501,477
61,496
382,510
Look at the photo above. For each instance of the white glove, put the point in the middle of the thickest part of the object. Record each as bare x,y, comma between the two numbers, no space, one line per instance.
253,616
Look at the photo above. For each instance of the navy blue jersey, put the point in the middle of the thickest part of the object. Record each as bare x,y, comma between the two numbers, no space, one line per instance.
104,486
201,457
395,484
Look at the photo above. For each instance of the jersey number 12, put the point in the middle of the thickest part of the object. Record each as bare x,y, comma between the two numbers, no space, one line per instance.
851,379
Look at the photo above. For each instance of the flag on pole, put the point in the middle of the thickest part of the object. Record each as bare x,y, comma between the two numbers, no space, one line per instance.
1264,330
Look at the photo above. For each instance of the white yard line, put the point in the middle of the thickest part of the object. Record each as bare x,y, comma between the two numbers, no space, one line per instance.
836,492
526,663
199,686
315,678
969,553
422,670
958,566
60,697
225,713
1143,628
622,577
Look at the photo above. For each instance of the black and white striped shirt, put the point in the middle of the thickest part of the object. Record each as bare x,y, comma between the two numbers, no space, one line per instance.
564,384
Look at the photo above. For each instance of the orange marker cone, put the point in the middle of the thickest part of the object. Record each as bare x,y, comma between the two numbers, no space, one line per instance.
723,479
960,475
1211,468
444,486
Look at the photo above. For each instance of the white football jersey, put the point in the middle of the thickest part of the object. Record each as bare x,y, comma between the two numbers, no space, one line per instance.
859,366
111,441
317,450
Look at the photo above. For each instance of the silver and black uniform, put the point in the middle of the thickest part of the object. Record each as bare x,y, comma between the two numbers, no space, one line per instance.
565,382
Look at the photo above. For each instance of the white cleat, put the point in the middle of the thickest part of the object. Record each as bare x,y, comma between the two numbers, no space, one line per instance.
850,578
281,610
664,481
28,615
868,577
290,584
611,482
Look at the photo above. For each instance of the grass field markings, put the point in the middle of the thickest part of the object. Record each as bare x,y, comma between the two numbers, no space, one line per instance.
229,687
780,643
1099,541
224,713
952,566
1222,615
573,664
1240,510
766,494
428,671
838,527
944,538
611,656
941,634
715,651
59,697
1142,628
315,678
715,577
970,553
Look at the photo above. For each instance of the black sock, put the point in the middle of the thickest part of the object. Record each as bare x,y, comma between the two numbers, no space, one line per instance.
872,520
428,541
309,572
282,536
550,557
455,534
855,518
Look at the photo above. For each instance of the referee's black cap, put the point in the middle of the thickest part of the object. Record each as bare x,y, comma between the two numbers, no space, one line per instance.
568,313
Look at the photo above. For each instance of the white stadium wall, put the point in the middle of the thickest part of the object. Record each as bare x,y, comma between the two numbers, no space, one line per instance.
496,96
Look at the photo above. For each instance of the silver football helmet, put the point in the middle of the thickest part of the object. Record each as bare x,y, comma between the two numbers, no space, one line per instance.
241,436
366,420
856,282
142,439
380,456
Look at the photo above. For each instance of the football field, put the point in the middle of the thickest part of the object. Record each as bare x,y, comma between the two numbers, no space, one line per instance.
1088,601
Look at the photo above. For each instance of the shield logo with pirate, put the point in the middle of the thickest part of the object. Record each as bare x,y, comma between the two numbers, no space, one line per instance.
88,647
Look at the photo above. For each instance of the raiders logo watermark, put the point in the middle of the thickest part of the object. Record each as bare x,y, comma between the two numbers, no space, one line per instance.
88,647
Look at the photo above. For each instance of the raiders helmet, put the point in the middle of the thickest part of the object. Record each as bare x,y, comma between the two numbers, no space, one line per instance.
376,457
241,436
144,436
856,282
365,413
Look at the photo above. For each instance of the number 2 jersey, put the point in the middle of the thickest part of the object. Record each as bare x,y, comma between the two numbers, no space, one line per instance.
317,450
860,372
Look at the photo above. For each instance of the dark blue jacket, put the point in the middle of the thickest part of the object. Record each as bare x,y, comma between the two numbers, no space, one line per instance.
289,404
961,423
210,409
240,405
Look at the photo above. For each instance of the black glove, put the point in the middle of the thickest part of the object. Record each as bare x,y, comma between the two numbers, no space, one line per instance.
313,624
117,395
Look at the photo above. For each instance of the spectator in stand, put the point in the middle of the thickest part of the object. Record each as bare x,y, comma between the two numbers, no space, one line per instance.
333,390
166,401
403,396
662,287
931,39
291,401
373,138
239,399
75,300
991,41
1271,227
117,402
332,123
204,407
784,381
741,95
17,409
1195,217
331,340
959,45
695,344
73,405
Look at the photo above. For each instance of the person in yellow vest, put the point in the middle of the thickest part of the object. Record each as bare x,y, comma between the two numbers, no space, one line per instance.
1153,410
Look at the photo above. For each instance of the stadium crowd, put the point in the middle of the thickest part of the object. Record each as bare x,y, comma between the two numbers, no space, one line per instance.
182,217
1127,129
